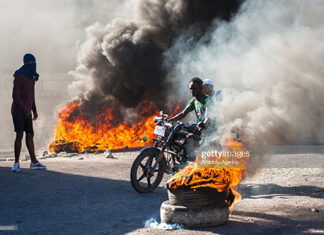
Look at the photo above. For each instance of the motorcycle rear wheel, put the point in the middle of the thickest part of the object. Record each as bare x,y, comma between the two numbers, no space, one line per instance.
144,179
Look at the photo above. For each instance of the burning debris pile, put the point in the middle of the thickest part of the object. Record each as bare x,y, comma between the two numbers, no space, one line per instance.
214,175
203,195
220,179
76,133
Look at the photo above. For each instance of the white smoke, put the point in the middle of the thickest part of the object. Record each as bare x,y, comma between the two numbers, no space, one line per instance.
269,62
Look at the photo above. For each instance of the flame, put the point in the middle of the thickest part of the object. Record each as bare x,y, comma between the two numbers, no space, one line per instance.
75,132
220,178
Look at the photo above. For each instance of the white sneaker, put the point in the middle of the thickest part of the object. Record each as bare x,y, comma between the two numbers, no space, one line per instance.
37,166
16,167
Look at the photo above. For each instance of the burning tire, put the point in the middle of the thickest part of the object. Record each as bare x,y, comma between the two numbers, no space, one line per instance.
144,178
194,216
196,197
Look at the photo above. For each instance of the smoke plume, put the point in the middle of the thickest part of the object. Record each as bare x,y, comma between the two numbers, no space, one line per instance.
269,63
122,63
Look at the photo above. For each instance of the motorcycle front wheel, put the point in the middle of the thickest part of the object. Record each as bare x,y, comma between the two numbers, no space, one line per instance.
144,178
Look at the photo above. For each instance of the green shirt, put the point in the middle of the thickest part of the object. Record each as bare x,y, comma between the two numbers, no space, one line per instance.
200,106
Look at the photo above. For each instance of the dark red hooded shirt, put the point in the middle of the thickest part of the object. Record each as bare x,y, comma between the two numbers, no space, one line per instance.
23,95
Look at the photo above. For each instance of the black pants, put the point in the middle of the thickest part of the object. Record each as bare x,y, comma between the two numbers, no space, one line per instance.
22,123
192,142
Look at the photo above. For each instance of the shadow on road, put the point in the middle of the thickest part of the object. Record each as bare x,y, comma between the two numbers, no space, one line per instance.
243,222
48,201
292,221
268,191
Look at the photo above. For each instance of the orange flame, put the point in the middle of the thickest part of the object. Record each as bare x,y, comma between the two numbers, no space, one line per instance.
78,134
220,178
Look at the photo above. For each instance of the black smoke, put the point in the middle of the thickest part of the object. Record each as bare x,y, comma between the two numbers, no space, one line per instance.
124,59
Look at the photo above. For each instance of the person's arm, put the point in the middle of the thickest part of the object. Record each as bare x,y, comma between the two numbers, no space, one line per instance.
219,95
16,95
34,111
190,107
34,108
205,123
179,116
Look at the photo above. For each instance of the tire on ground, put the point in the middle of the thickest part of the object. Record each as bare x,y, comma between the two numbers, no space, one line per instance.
195,216
196,197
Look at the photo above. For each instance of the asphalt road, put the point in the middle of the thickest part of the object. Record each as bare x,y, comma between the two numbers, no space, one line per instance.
94,196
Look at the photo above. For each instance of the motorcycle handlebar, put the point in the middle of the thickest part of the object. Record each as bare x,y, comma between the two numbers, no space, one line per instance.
162,120
164,117
168,124
156,119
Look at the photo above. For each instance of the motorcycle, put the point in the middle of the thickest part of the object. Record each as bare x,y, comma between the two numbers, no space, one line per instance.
165,156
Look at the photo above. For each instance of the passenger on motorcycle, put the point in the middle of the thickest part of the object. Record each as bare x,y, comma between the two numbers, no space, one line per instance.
199,103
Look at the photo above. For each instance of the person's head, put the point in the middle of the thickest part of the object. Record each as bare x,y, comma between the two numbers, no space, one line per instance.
30,62
208,87
195,87
29,59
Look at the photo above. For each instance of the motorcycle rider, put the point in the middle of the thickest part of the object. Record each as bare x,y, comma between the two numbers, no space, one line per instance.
199,103
208,88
